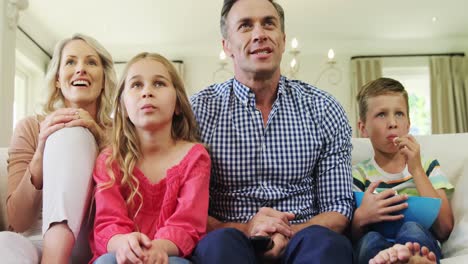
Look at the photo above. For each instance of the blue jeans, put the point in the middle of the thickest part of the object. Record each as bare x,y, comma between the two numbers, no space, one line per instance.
373,242
314,243
109,258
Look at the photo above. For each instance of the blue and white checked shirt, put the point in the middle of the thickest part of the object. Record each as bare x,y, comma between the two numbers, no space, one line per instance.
300,162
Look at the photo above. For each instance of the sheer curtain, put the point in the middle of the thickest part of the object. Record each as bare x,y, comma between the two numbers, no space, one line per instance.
362,71
449,94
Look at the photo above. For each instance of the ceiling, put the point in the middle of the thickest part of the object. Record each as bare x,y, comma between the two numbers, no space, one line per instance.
179,28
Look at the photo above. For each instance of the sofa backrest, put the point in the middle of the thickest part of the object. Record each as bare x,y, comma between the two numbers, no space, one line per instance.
451,150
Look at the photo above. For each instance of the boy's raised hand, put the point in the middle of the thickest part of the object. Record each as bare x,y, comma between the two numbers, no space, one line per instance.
410,148
379,207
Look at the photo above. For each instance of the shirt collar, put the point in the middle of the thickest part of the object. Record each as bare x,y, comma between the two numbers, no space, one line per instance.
245,95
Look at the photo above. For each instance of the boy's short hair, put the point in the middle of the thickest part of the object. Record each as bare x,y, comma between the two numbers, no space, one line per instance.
380,86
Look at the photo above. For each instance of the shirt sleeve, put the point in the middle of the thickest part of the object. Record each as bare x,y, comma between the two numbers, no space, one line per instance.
359,179
438,178
188,223
24,201
111,216
334,165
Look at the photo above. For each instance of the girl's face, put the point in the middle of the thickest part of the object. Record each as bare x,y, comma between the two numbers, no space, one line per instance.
81,74
149,95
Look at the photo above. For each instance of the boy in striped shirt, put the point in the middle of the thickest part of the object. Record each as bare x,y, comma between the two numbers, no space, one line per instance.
397,167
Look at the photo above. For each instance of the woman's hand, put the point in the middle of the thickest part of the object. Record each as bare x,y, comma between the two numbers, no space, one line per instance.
379,207
52,122
84,119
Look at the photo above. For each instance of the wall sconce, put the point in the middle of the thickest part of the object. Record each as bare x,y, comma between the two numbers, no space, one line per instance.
334,73
294,64
222,74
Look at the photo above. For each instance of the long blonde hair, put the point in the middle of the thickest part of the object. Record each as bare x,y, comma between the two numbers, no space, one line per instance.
55,99
125,144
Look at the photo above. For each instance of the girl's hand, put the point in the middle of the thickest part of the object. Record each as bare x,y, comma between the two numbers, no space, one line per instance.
84,119
410,148
379,207
157,253
131,248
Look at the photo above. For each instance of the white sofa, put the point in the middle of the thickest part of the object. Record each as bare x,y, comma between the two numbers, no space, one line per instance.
452,152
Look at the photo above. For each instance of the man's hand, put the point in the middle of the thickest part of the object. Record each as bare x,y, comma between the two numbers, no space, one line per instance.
280,243
268,221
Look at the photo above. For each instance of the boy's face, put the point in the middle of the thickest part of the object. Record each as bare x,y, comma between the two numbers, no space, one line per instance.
386,119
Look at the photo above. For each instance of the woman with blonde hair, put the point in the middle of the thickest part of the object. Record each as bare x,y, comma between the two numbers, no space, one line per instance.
51,158
152,184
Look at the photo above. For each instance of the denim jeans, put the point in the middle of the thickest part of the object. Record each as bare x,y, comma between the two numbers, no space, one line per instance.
314,244
110,258
373,242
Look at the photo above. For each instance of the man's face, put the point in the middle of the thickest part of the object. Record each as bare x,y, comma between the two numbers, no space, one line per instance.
254,38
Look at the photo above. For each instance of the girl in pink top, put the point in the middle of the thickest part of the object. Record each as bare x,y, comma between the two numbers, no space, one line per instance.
152,184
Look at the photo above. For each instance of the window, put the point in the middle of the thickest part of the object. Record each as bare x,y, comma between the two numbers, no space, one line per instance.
30,66
30,90
413,73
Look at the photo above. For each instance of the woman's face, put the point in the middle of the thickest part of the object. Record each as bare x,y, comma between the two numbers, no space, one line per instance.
81,75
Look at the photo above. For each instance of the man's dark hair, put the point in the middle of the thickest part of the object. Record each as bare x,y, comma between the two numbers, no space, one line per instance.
227,5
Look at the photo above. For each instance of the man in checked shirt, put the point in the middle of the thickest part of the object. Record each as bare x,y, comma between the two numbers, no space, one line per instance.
280,149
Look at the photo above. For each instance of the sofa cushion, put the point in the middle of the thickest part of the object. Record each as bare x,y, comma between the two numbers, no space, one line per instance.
457,243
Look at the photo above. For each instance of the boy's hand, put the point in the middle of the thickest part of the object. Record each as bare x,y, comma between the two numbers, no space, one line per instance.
379,207
409,147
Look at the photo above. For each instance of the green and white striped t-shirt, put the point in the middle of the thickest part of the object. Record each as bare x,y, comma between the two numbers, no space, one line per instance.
366,172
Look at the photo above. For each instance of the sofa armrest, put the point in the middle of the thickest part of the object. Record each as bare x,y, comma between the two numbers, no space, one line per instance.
3,186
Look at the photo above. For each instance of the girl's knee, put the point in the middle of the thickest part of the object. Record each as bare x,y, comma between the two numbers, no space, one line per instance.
108,258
